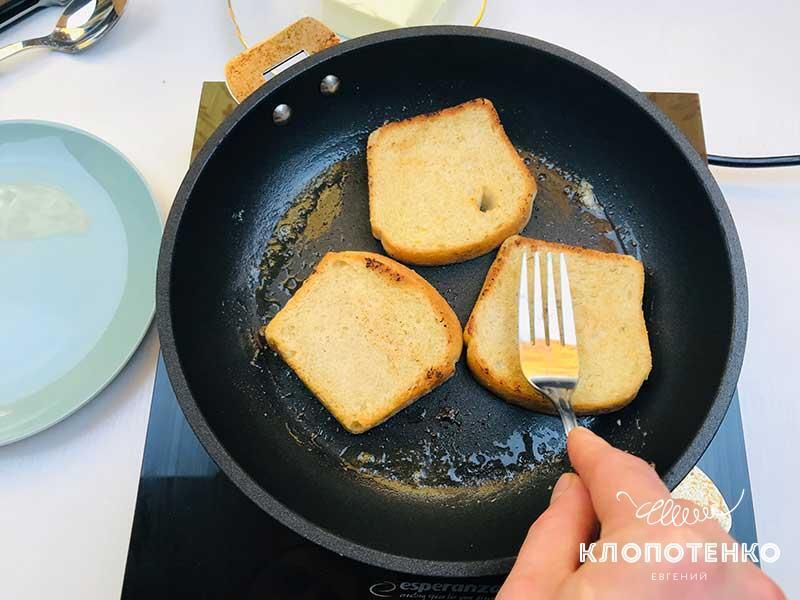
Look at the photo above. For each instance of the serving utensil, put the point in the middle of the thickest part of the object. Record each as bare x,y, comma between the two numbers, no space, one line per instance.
69,36
549,360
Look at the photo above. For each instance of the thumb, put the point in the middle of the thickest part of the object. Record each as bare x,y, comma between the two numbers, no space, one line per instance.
607,471
550,552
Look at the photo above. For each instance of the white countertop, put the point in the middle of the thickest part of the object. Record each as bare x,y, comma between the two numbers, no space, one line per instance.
67,495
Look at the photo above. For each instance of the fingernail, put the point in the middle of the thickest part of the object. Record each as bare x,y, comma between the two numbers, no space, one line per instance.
562,485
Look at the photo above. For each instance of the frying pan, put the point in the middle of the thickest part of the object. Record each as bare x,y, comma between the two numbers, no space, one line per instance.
450,485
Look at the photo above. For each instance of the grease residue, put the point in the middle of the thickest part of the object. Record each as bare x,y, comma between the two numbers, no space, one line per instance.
307,220
566,198
459,441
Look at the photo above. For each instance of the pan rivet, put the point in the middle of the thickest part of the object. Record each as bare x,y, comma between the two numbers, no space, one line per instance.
281,114
329,85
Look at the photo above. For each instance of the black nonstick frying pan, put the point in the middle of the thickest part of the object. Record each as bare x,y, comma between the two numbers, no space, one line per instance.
450,485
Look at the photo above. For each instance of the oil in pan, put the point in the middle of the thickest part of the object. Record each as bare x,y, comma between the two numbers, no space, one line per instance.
459,439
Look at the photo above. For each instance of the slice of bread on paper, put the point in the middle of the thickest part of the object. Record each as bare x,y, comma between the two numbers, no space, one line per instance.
367,336
613,347
448,186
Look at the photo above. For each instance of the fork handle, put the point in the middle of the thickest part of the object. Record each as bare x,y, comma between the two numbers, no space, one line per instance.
566,413
562,400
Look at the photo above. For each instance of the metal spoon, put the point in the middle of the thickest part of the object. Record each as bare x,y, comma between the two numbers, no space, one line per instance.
74,37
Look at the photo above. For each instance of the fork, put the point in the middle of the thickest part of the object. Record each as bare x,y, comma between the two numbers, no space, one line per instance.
549,361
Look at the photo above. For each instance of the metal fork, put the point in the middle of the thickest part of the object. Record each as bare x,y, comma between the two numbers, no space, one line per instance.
549,361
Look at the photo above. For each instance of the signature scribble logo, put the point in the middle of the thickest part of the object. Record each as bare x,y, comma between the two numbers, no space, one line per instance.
668,512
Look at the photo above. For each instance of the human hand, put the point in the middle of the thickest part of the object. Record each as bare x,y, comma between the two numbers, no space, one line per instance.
581,505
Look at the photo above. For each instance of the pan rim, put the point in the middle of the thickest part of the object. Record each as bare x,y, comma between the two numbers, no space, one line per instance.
319,535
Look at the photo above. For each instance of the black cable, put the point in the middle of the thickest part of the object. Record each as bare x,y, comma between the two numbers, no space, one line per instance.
754,162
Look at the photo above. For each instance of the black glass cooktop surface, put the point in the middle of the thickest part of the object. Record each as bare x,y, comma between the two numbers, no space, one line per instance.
195,535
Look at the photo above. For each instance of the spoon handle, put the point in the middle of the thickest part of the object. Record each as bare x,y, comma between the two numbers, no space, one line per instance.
16,47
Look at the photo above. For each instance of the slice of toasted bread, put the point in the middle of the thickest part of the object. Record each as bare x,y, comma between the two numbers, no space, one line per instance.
613,347
367,336
447,186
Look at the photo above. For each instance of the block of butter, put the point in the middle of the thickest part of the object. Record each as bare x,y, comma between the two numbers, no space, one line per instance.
352,18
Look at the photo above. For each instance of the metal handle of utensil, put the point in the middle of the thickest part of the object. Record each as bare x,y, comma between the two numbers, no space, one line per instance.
17,47
12,11
561,399
567,414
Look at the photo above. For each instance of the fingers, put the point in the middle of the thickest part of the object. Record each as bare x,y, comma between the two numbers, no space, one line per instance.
617,481
551,551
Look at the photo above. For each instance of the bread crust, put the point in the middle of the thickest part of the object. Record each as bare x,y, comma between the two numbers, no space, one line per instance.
467,251
398,275
518,391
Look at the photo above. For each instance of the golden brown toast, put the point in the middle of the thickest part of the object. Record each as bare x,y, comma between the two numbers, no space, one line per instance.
368,336
612,339
447,186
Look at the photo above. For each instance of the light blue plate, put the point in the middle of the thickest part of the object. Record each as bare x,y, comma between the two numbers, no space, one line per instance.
79,238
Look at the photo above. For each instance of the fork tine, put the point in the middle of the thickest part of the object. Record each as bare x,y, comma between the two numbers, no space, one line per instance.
552,307
567,316
538,311
523,308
